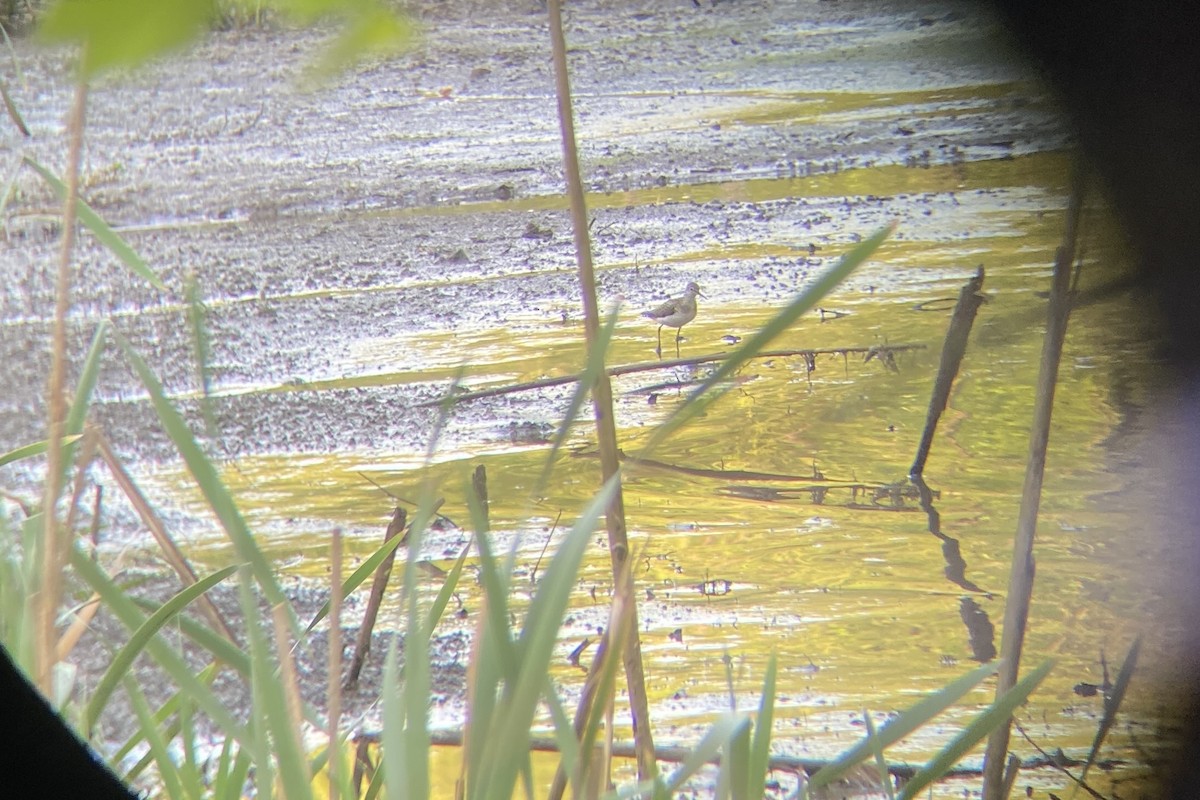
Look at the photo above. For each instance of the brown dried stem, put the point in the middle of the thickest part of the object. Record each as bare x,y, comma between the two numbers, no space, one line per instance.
171,552
54,539
606,431
1020,585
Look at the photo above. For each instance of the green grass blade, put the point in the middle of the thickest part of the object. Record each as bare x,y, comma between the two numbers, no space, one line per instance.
167,658
445,593
885,777
527,776
392,739
486,686
417,679
564,734
189,767
202,349
508,740
270,704
166,711
996,715
376,784
34,449
721,732
123,661
168,773
495,587
222,769
734,776
123,35
101,229
610,665
703,396
230,778
903,725
372,30
206,477
77,413
86,384
15,589
225,764
10,183
760,746
365,570
221,648
495,662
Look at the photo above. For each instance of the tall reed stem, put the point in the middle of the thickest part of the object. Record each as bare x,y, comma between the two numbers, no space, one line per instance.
606,430
54,540
1020,583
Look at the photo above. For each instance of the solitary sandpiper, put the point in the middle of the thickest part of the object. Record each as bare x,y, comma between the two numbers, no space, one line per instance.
675,313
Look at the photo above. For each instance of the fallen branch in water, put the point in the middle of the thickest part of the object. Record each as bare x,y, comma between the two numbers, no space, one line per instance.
884,352
679,754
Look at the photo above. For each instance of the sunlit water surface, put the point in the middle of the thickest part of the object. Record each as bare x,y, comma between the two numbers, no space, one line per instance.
848,589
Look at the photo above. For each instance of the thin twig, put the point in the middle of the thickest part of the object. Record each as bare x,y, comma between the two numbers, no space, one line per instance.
676,754
1051,761
549,537
86,612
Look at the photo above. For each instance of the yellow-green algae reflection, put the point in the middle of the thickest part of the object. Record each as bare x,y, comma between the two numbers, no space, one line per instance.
1041,170
854,600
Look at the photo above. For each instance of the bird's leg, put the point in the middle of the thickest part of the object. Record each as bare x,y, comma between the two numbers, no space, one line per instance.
678,336
658,350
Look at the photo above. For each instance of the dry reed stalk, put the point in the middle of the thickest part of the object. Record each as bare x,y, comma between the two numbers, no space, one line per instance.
1020,584
606,430
171,552
54,538
85,613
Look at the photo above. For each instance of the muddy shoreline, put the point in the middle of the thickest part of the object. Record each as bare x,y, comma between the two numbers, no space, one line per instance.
315,220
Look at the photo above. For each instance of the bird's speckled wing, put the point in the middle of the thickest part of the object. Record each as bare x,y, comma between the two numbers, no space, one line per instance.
665,310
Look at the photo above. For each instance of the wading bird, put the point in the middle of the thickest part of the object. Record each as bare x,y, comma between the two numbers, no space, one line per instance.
675,313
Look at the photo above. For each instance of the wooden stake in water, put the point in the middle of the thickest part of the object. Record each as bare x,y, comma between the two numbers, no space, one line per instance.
969,300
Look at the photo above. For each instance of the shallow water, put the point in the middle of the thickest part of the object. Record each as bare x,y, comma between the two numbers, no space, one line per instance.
848,589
